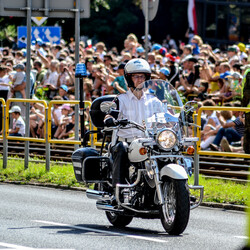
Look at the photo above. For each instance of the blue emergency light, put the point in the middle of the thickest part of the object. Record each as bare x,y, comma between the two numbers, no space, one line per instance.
80,70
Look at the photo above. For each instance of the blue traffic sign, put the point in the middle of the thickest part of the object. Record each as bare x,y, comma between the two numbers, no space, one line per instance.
45,33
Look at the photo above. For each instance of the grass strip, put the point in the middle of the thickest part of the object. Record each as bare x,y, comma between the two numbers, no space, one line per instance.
215,190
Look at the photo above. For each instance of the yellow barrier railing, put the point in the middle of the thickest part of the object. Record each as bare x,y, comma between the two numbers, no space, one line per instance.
215,153
49,119
19,138
3,111
50,140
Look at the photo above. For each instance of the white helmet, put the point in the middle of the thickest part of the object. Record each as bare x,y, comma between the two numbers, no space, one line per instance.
136,151
136,65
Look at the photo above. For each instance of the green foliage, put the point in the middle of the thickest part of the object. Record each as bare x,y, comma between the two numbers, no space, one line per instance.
97,3
224,191
36,173
10,30
111,25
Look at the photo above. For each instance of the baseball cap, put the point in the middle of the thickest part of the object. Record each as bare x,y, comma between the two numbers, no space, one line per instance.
15,109
237,75
24,52
66,106
217,50
232,48
64,87
121,65
242,47
190,59
156,46
163,51
225,75
140,50
188,46
19,66
39,41
165,71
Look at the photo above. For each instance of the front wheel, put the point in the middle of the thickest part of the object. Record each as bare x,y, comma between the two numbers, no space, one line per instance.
176,208
118,220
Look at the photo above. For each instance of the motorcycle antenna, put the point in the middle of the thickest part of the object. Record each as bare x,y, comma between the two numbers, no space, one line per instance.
81,72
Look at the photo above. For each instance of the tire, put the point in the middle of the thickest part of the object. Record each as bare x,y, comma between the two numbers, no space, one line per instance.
118,220
175,212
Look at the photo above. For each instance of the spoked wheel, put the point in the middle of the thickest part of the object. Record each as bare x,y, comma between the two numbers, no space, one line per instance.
176,208
118,220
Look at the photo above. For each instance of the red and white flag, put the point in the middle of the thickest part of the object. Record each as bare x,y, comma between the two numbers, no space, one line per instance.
192,21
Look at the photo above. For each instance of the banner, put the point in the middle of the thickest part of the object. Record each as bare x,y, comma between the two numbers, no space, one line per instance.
192,21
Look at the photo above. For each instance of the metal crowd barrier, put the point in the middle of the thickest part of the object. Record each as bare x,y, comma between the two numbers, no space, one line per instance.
218,153
47,128
3,135
18,138
93,137
3,116
50,140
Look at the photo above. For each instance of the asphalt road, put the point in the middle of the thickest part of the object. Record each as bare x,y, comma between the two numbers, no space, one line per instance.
45,218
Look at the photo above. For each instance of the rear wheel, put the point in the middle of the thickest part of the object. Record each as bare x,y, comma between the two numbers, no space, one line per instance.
118,220
176,208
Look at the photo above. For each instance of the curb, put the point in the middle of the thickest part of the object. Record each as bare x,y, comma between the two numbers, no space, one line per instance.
225,206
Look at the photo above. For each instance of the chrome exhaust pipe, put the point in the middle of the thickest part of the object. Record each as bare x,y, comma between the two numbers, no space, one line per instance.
107,207
96,195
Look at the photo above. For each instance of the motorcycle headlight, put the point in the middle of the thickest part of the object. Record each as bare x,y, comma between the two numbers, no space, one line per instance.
166,139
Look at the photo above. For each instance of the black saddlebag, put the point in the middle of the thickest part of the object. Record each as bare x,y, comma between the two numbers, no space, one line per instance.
96,169
89,167
78,157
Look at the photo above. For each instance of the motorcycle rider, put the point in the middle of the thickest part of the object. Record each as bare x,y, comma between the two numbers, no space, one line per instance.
132,107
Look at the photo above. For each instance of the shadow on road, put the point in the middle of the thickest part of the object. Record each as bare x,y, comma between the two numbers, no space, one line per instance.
107,230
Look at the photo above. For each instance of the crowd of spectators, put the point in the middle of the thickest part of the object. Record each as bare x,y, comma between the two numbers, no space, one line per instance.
199,72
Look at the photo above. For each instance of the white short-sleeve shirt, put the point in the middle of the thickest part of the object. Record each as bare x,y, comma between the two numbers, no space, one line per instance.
137,110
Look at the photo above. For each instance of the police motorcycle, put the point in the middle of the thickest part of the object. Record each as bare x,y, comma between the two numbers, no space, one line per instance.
157,184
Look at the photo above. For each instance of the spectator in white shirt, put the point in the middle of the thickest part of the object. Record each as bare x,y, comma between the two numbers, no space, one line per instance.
18,128
4,83
51,78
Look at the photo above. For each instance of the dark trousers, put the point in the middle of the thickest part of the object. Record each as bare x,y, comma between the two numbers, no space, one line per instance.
230,133
120,163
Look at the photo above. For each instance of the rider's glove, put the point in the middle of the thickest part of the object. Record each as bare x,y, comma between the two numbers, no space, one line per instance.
123,122
110,122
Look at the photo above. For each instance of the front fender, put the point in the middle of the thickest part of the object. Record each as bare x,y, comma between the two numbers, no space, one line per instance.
174,171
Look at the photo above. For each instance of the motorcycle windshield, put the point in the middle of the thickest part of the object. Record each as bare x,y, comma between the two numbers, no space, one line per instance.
163,105
155,104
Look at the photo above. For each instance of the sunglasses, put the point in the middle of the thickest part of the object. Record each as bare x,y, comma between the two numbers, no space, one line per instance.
137,77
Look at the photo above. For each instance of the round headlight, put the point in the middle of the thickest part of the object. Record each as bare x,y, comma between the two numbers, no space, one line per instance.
166,139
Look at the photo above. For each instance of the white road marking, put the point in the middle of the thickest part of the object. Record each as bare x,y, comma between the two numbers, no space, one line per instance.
241,237
18,247
102,231
12,246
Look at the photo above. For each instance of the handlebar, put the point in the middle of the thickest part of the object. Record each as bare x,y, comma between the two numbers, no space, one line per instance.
125,122
111,122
